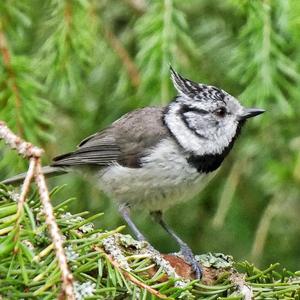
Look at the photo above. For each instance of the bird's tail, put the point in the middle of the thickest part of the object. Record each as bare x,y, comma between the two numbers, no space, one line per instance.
48,171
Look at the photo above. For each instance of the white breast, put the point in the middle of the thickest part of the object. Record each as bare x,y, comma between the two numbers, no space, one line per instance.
165,179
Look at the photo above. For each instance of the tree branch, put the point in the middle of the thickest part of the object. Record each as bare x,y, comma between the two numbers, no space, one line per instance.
34,153
120,50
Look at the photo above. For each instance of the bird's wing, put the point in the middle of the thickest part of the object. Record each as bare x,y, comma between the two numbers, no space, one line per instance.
99,152
125,142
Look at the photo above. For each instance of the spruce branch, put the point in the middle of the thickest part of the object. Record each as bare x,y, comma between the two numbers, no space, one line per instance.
157,51
99,274
20,91
28,150
65,56
266,54
270,80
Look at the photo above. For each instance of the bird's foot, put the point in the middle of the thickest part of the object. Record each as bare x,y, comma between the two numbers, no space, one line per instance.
189,257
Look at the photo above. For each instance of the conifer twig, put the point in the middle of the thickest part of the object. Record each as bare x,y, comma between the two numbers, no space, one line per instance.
239,281
263,228
6,57
228,194
120,50
132,278
24,191
23,148
55,234
34,153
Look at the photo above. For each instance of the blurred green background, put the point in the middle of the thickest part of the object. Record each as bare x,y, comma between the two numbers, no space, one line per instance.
70,67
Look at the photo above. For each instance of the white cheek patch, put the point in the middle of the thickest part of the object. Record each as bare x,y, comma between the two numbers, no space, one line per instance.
183,135
214,142
226,132
193,124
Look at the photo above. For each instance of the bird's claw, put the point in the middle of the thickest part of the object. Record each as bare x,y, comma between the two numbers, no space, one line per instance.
189,257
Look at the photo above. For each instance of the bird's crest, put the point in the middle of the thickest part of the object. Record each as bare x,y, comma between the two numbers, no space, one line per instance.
185,86
194,90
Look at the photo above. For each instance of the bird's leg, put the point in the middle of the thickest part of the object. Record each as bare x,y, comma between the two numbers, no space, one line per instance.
184,248
125,213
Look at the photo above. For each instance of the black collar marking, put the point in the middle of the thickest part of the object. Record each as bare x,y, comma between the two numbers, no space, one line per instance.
207,163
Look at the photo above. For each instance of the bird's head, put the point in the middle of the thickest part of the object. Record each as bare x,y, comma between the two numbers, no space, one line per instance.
205,119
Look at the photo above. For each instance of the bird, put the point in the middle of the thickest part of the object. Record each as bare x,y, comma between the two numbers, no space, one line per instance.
157,156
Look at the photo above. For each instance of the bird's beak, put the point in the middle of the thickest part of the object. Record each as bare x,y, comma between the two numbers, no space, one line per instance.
250,112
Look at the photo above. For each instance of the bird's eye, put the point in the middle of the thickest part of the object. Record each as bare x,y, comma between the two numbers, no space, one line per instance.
221,112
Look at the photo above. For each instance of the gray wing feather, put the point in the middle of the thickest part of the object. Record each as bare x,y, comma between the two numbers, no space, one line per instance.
125,141
98,152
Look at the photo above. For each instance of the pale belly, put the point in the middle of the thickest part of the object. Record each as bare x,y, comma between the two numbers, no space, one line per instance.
165,179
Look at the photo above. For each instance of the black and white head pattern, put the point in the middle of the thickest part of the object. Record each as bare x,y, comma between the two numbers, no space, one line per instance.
203,119
196,91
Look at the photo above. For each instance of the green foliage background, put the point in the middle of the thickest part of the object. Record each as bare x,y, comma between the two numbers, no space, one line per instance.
70,67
